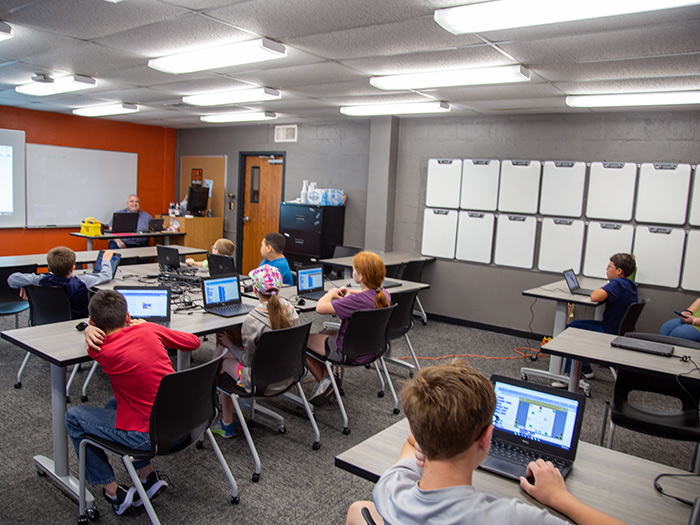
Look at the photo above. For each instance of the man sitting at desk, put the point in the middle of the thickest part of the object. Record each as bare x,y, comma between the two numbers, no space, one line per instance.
449,409
132,206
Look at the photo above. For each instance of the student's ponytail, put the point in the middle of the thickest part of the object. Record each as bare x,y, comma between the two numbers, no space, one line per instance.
278,314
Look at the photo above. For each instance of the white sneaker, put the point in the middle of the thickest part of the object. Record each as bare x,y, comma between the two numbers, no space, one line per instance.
322,392
559,384
589,375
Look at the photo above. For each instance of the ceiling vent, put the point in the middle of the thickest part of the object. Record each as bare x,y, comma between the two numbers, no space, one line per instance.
286,133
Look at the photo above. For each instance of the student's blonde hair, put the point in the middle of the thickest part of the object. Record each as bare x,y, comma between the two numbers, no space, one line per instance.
371,267
448,407
224,246
60,260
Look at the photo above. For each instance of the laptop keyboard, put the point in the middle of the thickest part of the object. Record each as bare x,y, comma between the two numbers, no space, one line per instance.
520,455
232,309
315,296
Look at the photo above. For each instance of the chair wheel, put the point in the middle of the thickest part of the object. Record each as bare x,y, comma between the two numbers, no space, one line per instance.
83,398
282,430
40,473
533,357
425,323
235,500
342,391
380,393
18,384
82,520
523,376
67,399
316,445
396,411
367,366
410,374
346,431
587,393
199,445
256,477
93,514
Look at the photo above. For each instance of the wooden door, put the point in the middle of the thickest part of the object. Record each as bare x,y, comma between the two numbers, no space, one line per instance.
261,204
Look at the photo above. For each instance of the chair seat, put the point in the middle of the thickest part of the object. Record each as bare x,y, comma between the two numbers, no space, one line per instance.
14,307
228,385
657,423
122,450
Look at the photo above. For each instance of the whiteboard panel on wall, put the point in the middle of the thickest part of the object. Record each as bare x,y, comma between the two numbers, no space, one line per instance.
66,185
475,236
444,181
561,245
562,189
691,262
659,254
480,184
439,233
662,194
12,178
611,190
520,186
515,240
604,239
694,218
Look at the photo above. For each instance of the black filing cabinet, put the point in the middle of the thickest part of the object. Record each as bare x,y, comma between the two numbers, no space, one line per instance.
312,232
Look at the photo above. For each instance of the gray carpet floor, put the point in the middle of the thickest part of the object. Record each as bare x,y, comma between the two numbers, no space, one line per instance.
298,484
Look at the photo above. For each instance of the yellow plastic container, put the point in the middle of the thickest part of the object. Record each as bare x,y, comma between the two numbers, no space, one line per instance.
90,226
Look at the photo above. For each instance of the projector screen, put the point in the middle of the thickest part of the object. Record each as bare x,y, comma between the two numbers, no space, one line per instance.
12,188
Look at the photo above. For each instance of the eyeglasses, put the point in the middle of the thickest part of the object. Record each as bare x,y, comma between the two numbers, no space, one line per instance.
611,267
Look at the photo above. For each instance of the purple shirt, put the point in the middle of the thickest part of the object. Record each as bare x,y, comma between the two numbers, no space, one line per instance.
346,306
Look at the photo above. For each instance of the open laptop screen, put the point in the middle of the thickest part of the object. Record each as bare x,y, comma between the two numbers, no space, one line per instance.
116,258
571,280
310,279
125,222
220,265
168,258
149,303
220,290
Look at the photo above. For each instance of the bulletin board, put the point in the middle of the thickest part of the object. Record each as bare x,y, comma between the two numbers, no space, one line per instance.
659,254
562,189
475,236
602,240
561,245
444,182
662,194
480,184
439,233
515,240
520,186
611,188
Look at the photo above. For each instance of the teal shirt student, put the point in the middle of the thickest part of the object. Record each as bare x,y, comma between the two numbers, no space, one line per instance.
283,266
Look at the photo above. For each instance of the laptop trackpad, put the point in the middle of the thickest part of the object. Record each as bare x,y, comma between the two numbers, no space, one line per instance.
503,467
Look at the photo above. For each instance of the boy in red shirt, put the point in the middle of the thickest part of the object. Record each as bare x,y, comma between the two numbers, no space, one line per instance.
133,354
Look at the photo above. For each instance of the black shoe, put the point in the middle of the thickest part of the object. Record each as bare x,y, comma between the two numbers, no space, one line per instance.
153,487
123,500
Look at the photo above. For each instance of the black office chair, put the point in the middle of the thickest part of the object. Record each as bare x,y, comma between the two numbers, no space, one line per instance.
400,323
394,271
629,323
340,251
47,304
365,342
681,425
10,301
183,410
278,365
413,271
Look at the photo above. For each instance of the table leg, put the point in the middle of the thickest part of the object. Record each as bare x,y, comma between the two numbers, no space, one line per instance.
575,375
183,360
561,312
89,244
57,468
166,240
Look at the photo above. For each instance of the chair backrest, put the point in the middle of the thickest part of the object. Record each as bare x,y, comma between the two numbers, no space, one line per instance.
48,304
402,319
629,320
395,271
345,251
412,271
184,407
7,294
279,361
365,337
658,338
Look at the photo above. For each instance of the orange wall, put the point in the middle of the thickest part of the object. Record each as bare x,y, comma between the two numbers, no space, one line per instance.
155,146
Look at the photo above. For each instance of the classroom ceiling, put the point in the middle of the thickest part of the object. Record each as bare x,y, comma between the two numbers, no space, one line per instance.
333,48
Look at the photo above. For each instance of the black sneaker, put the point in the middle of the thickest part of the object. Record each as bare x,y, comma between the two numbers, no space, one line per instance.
123,500
153,487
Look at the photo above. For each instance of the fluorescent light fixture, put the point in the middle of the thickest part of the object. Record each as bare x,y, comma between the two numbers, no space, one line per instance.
59,85
461,77
669,98
232,97
111,109
251,116
395,109
508,14
248,52
5,31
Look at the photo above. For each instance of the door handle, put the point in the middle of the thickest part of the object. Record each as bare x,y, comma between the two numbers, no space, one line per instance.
246,218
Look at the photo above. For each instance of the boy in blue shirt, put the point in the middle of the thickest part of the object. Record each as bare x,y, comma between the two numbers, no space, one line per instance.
272,251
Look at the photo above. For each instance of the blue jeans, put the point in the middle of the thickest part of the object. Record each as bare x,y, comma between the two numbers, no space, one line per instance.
677,328
101,422
586,324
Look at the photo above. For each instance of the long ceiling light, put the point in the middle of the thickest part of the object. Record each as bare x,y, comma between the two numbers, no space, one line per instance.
258,50
59,85
5,31
508,14
103,111
670,98
395,109
252,116
232,97
461,77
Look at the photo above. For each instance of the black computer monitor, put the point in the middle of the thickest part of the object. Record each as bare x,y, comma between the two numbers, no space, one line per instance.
197,200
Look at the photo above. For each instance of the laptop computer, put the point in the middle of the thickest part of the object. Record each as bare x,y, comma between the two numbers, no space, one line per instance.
573,284
125,222
155,225
532,421
640,345
390,284
116,258
151,303
222,296
221,265
310,282
168,258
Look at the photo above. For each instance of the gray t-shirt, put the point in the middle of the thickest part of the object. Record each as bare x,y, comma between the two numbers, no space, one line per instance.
399,500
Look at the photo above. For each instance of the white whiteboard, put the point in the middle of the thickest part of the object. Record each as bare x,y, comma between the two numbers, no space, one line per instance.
515,240
604,239
480,184
520,186
439,233
561,245
475,236
662,194
65,185
611,190
694,218
659,254
444,181
562,189
691,275
12,179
